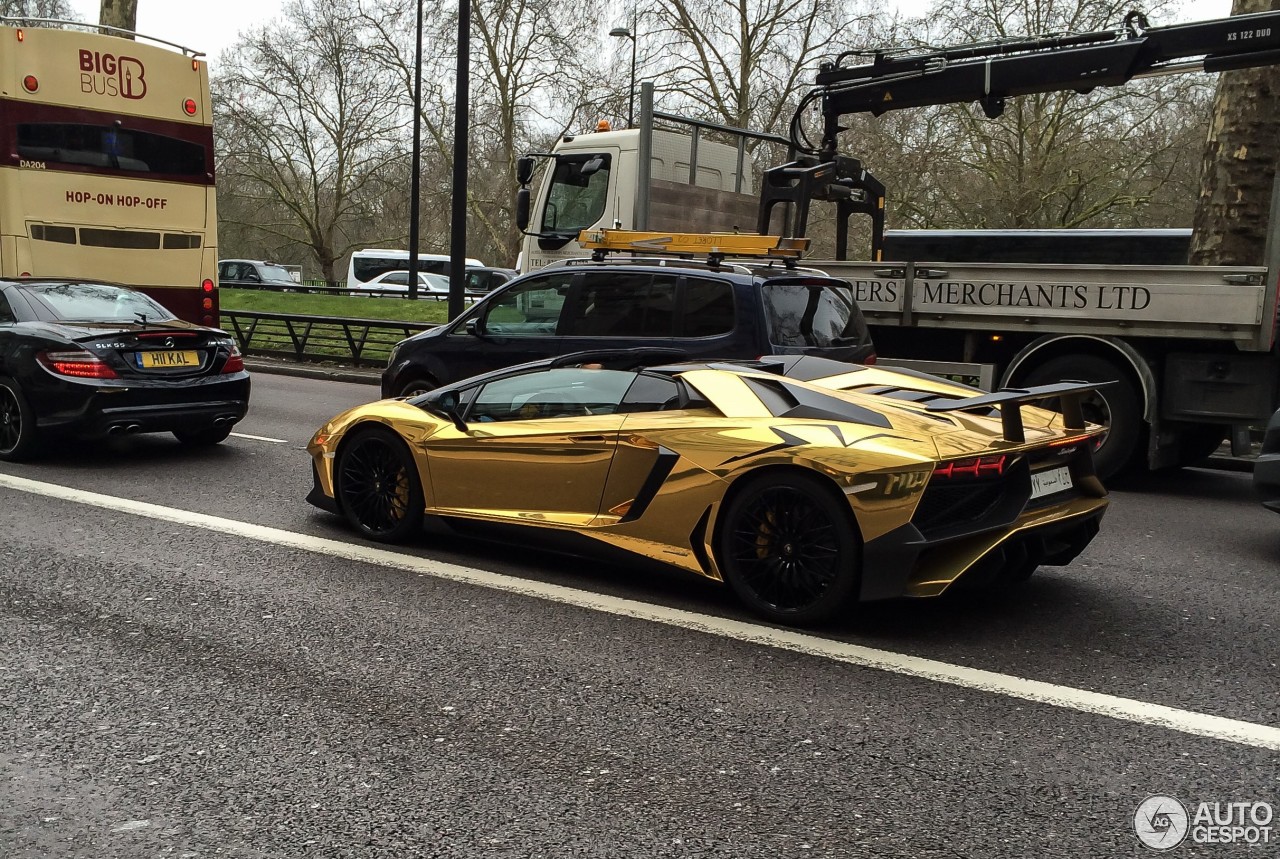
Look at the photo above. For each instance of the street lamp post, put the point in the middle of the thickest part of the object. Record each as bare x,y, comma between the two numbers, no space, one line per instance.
626,33
416,162
461,131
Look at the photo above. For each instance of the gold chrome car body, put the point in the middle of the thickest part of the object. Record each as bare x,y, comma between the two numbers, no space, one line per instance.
655,482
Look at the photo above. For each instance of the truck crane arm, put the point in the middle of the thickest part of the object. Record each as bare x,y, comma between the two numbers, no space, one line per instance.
990,72
986,73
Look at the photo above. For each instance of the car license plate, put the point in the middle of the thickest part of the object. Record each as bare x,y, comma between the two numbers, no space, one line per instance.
153,360
1048,482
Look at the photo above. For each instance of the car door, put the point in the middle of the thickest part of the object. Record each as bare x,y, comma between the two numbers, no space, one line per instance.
537,448
518,324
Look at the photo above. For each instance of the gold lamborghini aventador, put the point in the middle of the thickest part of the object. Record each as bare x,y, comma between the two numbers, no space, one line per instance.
803,483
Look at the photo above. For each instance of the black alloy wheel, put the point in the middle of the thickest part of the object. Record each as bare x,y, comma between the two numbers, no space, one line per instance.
17,423
377,486
789,549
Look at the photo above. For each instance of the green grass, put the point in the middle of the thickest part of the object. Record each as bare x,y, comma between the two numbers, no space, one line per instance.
347,307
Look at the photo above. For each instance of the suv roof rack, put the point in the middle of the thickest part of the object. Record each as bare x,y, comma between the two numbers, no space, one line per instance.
660,262
714,246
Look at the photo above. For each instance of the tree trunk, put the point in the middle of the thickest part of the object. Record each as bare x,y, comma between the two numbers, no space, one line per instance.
119,13
1239,165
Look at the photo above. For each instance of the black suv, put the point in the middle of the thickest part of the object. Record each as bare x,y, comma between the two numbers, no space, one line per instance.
703,310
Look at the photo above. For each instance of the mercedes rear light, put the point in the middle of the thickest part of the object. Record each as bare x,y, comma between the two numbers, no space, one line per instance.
79,364
235,361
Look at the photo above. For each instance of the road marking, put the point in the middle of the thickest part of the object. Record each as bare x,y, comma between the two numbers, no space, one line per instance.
260,438
1064,697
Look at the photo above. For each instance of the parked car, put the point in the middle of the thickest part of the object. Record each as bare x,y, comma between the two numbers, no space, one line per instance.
1266,471
702,310
804,499
484,280
397,283
252,273
85,359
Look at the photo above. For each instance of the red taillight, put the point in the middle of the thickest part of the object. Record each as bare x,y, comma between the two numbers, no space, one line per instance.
235,361
79,365
870,359
189,107
206,320
30,83
206,304
978,466
207,285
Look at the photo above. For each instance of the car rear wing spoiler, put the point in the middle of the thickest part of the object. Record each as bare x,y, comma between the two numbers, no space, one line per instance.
1011,400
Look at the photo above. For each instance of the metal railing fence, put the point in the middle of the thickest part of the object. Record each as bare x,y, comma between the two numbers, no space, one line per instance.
322,288
362,342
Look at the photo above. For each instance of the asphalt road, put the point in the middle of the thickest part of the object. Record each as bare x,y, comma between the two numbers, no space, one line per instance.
187,689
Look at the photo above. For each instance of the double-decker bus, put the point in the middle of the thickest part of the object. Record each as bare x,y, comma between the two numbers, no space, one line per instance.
106,162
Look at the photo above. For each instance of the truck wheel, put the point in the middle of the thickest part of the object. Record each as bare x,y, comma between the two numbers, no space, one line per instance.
1198,442
1117,406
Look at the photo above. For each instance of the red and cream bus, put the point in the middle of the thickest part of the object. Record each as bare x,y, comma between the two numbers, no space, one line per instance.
106,162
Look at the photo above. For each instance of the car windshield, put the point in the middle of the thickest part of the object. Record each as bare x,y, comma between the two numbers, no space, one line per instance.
97,302
276,273
813,313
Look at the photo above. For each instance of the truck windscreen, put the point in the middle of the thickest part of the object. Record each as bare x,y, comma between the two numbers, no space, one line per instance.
576,197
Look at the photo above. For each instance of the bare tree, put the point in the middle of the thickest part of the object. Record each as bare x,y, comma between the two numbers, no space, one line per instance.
740,63
1239,163
122,14
308,129
38,9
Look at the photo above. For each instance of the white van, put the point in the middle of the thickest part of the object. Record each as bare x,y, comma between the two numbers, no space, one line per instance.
367,264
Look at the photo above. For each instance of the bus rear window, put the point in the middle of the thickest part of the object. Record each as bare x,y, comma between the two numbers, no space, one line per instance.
109,148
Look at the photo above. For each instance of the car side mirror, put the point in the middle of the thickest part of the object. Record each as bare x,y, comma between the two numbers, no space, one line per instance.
524,170
447,404
522,209
475,326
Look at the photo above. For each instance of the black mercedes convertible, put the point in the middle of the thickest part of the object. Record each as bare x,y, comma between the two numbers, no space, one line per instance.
85,359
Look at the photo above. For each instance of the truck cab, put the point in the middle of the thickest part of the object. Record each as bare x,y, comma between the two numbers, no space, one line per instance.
603,180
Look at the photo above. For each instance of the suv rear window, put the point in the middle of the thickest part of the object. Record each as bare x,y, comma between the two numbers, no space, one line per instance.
813,313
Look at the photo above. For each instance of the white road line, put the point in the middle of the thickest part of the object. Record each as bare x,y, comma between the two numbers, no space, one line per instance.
260,438
1065,697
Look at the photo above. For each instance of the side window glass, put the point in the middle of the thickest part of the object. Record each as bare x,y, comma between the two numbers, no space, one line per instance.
224,271
531,309
708,307
626,304
561,393
651,394
6,312
399,278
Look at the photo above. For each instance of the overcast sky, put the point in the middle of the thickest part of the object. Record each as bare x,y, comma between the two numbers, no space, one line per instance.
212,26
